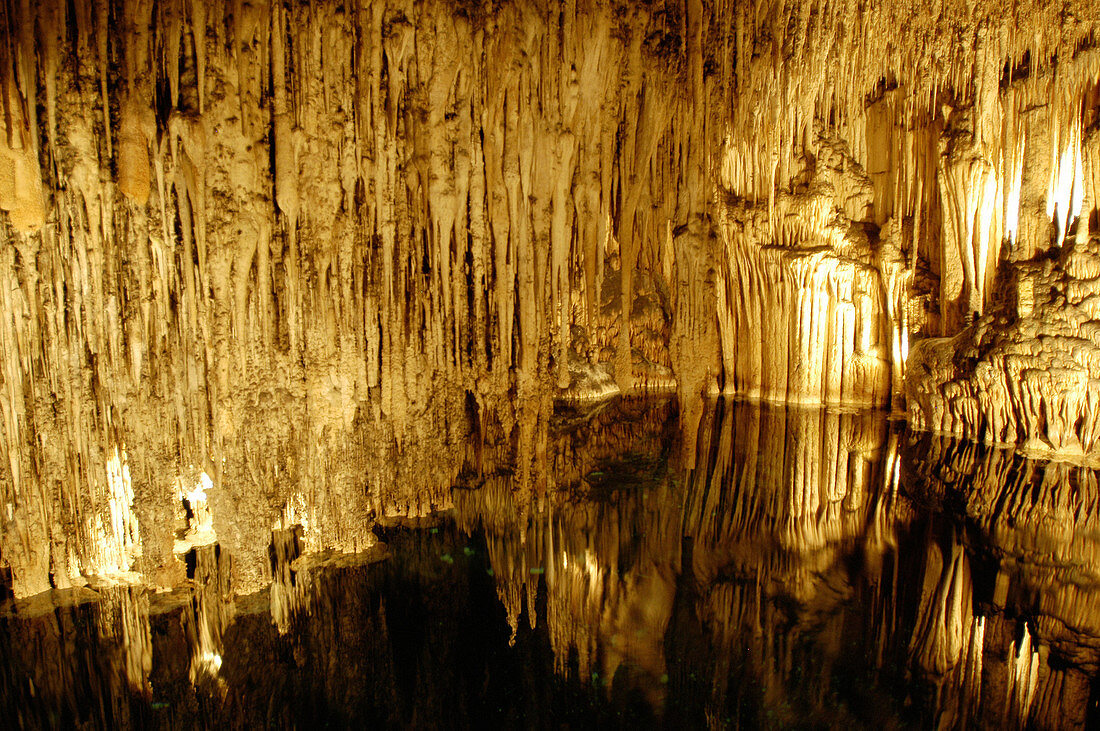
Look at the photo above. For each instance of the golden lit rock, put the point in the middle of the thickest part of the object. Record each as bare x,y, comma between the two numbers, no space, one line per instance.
274,274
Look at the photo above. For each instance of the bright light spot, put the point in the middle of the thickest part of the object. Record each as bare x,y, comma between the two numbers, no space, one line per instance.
1066,191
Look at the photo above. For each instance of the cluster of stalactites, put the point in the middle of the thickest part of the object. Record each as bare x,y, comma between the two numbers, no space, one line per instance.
242,231
799,65
962,147
897,106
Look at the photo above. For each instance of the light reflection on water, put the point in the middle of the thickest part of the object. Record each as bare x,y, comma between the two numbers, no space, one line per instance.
773,567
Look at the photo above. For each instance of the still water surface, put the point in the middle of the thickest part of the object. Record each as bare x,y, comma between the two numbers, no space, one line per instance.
738,566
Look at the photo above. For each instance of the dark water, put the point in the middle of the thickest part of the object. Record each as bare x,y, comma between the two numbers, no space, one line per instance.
764,567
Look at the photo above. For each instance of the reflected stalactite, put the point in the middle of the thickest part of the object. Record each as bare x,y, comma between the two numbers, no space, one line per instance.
781,501
603,606
1033,523
946,614
809,535
211,609
286,591
804,566
77,658
124,623
297,583
1023,673
1027,507
804,479
948,639
774,499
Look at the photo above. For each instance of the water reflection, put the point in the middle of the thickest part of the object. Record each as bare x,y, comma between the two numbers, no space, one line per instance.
85,662
766,567
724,591
1027,541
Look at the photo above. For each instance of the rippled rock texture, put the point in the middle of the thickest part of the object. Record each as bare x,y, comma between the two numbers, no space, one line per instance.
1030,371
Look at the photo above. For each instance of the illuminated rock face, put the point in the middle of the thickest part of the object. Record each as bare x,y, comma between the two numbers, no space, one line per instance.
1028,372
314,251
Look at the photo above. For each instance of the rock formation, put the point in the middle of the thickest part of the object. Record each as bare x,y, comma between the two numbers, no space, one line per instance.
276,268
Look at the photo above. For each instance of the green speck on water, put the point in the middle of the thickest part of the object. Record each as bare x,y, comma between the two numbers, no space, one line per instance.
538,570
664,679
433,531
468,551
448,558
595,474
489,571
159,705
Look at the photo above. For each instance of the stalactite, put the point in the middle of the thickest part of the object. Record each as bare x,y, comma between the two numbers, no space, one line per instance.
294,244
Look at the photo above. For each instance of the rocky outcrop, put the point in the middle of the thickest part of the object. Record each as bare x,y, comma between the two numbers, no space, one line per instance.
1027,373
1023,194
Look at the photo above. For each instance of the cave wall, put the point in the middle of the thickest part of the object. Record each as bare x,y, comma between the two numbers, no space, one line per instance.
316,255
288,246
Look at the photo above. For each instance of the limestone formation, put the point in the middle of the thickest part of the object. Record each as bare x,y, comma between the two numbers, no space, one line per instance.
333,254
1028,372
